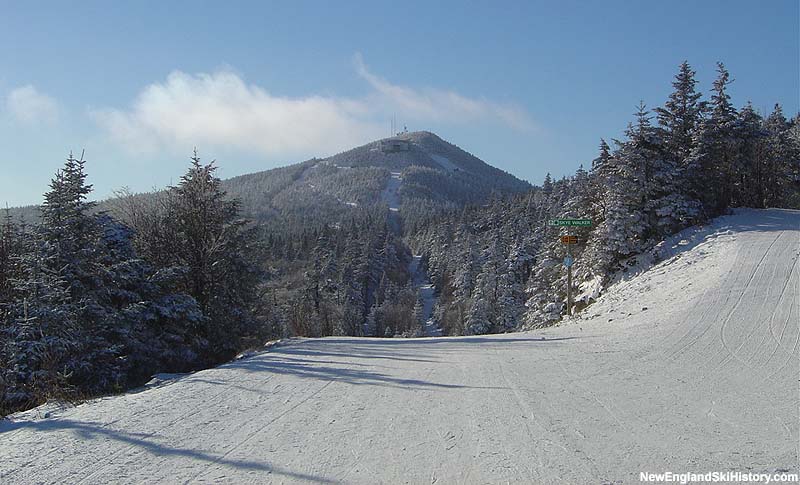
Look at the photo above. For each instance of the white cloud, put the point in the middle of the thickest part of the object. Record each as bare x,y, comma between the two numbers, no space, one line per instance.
440,105
221,109
27,104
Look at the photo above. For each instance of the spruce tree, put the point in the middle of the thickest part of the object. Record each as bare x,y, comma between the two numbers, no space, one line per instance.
748,171
681,114
597,187
781,159
217,249
710,166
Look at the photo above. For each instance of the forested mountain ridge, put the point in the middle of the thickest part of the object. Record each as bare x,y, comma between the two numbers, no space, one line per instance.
318,191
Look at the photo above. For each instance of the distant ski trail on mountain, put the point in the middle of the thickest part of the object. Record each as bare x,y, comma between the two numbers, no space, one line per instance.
419,277
391,194
391,197
427,293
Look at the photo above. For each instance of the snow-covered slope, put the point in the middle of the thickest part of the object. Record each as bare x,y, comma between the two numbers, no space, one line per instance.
691,366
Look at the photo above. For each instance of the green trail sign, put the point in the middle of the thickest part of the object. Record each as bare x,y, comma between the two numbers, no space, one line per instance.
569,240
570,222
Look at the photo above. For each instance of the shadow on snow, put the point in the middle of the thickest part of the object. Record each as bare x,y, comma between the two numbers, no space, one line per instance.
89,431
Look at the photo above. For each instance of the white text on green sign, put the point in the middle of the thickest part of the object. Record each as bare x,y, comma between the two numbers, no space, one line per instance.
569,222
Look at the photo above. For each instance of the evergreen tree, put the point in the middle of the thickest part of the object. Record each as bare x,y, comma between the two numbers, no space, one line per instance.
42,335
74,245
10,241
598,196
789,188
714,155
64,332
193,235
780,161
625,225
748,171
217,250
681,115
547,185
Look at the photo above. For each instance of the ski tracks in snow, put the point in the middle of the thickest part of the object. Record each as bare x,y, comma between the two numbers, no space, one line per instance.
704,379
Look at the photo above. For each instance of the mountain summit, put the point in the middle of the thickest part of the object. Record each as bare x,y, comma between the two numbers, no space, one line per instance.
424,149
403,172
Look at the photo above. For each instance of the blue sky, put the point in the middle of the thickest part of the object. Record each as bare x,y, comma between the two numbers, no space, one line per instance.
529,87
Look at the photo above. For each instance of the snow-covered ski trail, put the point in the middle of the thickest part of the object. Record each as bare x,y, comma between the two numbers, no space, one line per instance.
691,366
427,293
391,197
419,278
391,194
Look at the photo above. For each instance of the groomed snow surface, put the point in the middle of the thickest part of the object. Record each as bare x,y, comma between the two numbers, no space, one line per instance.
691,366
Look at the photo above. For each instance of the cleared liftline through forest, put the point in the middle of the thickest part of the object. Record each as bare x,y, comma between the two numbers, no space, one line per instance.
689,366
419,277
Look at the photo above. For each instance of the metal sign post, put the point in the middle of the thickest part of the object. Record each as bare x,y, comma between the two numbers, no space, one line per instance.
569,240
569,275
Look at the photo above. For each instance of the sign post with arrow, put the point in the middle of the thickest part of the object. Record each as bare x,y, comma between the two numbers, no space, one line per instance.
569,240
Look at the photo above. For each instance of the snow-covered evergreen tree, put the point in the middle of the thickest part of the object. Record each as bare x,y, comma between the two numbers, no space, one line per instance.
681,115
714,154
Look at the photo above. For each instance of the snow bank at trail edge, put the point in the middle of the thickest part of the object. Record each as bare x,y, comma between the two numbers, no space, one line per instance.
709,236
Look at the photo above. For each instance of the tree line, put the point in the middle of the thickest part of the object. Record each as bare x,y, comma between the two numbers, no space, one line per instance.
91,305
97,298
